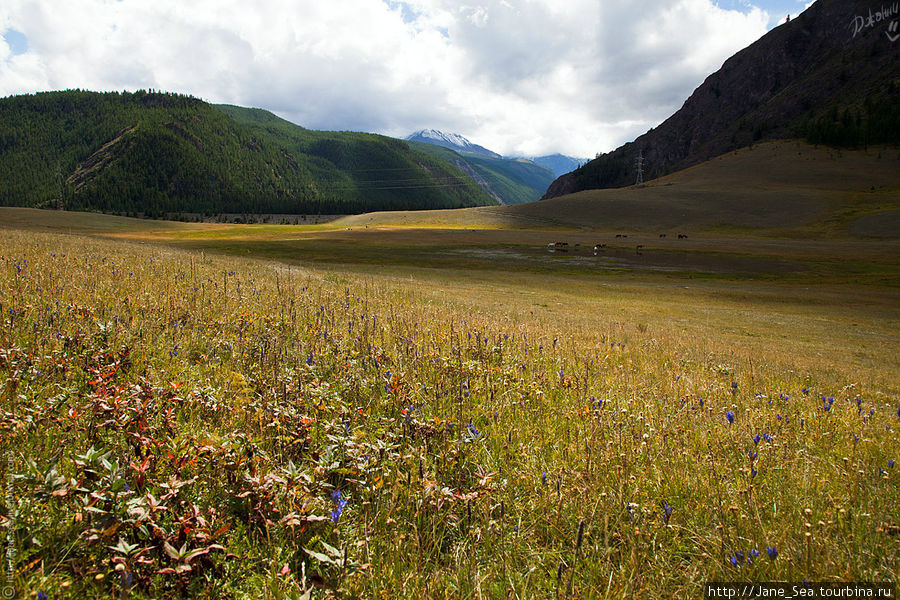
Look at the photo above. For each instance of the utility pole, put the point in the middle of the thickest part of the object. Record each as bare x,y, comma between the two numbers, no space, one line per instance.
639,165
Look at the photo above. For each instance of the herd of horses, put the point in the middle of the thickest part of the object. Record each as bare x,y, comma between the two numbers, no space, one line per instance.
564,246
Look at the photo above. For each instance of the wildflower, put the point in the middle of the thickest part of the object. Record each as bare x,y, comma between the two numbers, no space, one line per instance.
753,473
309,359
667,513
739,555
805,390
734,562
858,404
752,454
754,553
734,387
773,552
756,439
871,412
767,437
730,416
340,503
42,595
701,403
891,463
543,478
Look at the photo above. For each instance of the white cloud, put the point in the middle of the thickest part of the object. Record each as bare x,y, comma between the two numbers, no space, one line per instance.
518,76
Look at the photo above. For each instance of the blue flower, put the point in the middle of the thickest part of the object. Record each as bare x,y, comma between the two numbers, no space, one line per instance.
730,416
891,464
543,477
756,439
734,562
752,454
754,552
753,473
773,552
42,595
701,406
805,390
667,513
340,503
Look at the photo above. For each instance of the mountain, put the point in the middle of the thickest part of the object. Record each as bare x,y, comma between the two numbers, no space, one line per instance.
508,180
452,141
560,164
831,76
157,153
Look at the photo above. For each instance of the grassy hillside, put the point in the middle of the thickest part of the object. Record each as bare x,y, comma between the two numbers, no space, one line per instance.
775,187
162,153
512,181
186,424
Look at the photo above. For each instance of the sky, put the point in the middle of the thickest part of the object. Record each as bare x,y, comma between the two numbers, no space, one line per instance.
521,77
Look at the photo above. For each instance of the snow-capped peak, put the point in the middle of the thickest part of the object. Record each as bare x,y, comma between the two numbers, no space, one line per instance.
453,141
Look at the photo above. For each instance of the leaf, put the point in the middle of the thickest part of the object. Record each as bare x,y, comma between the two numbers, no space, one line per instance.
332,550
321,557
171,551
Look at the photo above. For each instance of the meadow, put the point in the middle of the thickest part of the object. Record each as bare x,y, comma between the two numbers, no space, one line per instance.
336,411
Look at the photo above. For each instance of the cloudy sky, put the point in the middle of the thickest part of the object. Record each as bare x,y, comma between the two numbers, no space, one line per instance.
522,77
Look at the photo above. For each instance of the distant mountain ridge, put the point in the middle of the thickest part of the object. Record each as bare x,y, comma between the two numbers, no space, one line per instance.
454,141
159,153
560,164
831,75
508,179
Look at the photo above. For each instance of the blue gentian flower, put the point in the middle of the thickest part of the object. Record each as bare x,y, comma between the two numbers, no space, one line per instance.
756,439
773,552
730,416
340,503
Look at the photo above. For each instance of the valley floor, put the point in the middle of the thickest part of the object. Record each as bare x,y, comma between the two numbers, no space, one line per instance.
182,404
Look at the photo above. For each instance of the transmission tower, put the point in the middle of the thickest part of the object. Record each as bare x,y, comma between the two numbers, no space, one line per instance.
639,166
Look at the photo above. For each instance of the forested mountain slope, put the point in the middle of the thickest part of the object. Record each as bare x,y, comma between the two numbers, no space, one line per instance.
157,153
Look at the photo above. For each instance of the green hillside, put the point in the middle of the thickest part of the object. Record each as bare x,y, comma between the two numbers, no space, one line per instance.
158,153
513,181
